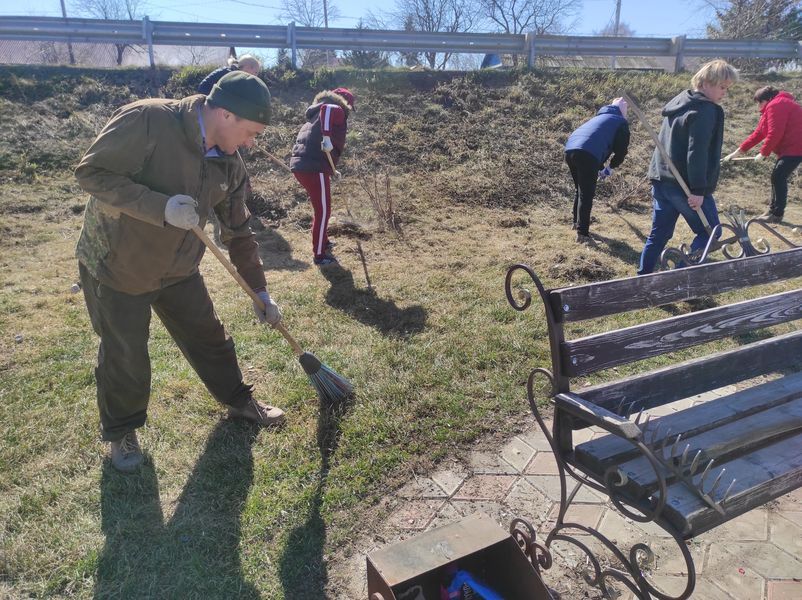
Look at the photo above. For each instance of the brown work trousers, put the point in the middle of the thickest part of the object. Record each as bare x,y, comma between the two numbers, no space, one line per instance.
123,364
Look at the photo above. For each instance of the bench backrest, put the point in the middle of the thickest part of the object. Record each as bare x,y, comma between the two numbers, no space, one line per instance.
586,355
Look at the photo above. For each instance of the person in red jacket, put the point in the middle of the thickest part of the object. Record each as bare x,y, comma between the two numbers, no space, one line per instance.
316,152
780,126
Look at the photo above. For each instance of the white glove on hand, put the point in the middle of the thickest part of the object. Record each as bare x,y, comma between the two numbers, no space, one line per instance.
731,155
326,144
271,315
605,173
759,157
180,211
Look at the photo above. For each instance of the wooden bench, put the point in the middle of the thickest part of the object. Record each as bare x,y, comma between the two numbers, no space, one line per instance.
707,462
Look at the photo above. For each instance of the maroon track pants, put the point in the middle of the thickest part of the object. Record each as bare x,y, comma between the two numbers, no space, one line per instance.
318,186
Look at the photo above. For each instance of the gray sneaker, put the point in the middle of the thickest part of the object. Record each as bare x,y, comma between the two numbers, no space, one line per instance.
126,456
259,413
585,239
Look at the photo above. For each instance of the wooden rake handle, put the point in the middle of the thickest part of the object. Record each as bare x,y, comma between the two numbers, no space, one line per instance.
275,159
296,347
331,162
665,156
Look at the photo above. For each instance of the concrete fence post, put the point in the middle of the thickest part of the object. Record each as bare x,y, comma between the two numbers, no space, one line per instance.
147,33
530,47
291,42
678,51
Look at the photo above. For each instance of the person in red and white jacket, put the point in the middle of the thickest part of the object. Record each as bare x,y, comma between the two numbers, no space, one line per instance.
780,126
322,134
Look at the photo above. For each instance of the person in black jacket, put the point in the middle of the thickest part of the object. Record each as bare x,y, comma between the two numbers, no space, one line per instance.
586,153
691,134
246,62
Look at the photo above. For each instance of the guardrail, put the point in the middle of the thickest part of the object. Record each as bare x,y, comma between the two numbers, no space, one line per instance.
149,33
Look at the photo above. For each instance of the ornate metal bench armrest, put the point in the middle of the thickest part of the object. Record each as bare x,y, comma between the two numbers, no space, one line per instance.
596,415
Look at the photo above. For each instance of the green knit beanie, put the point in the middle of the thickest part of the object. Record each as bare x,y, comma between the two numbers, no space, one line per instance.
244,95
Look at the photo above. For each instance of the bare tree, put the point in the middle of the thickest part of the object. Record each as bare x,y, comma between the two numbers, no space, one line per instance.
448,16
309,13
113,10
760,19
523,16
624,30
754,19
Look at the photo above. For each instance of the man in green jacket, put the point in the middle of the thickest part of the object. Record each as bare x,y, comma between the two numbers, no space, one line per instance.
154,172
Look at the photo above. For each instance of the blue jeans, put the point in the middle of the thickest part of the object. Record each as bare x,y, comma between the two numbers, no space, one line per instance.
669,202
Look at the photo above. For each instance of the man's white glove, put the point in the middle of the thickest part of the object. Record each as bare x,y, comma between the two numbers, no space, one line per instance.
731,155
271,315
326,144
760,157
180,211
605,173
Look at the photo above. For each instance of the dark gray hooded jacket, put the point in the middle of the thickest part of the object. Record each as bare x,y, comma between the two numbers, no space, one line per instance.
692,133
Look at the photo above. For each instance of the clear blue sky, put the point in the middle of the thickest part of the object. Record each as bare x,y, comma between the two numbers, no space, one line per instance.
658,18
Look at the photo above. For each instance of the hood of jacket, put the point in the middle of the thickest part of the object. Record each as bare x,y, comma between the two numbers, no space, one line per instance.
687,100
327,97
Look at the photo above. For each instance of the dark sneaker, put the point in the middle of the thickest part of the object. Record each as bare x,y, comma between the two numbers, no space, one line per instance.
126,456
326,259
585,239
259,413
774,219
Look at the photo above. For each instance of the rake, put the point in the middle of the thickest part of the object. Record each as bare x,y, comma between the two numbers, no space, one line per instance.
331,387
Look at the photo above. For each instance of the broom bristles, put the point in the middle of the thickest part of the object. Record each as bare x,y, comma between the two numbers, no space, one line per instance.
331,387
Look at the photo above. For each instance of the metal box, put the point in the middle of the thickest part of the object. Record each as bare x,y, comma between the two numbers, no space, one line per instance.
476,544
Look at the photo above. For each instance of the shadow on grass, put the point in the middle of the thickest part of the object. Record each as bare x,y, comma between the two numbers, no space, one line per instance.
276,252
302,567
196,553
367,308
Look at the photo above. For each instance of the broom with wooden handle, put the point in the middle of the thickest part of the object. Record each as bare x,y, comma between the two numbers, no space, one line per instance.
665,156
330,386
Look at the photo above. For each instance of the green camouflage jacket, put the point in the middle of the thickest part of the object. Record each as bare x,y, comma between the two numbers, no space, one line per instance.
151,150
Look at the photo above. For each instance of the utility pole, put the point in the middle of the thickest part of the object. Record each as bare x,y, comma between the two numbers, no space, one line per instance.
69,44
325,24
617,23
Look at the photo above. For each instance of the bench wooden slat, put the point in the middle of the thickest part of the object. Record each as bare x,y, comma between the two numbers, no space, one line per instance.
622,295
698,375
762,476
603,452
606,350
723,443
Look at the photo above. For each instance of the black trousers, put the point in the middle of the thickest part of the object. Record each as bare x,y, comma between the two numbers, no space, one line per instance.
584,171
123,364
779,182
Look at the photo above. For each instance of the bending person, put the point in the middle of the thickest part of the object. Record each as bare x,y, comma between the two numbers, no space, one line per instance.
153,173
319,145
780,130
586,153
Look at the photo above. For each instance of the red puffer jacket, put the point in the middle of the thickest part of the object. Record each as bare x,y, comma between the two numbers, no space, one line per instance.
780,125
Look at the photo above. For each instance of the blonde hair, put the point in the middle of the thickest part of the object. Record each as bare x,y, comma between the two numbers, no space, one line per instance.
714,72
247,62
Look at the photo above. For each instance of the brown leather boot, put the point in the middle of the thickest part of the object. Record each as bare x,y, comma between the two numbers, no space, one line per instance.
126,455
259,413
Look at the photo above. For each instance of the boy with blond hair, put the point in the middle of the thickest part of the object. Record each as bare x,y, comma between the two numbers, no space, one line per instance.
691,134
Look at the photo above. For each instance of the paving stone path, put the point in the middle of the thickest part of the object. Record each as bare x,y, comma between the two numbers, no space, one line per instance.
757,556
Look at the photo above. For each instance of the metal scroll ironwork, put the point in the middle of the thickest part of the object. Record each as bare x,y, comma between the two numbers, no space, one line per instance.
627,568
737,245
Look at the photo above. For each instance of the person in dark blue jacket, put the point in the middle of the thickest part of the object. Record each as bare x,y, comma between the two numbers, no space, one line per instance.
246,62
586,152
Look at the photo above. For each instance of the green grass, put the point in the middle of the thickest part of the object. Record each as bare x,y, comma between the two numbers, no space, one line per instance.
438,358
